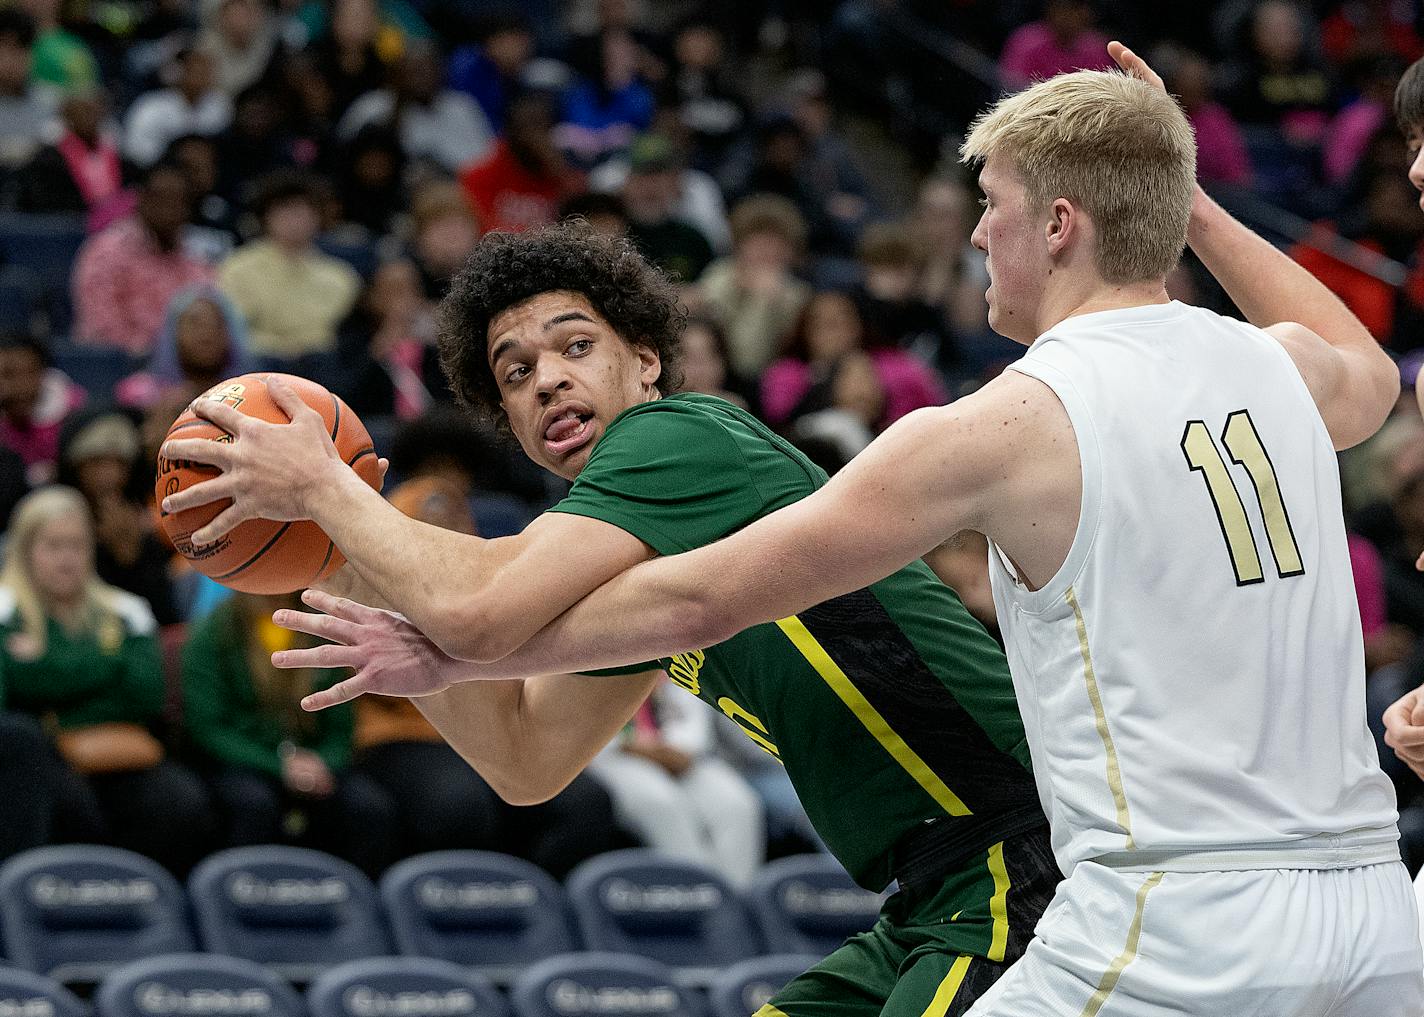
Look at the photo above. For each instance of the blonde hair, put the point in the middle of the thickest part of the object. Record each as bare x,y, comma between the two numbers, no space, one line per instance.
1117,147
99,616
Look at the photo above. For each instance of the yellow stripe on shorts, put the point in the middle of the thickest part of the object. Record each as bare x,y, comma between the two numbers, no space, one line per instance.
999,905
949,988
768,1011
1129,951
816,655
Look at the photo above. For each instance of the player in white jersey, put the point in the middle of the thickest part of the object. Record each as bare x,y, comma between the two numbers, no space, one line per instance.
1170,568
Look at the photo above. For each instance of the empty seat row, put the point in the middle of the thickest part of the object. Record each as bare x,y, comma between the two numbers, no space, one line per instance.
76,912
211,985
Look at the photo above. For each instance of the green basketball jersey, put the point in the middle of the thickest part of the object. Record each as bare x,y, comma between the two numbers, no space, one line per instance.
889,707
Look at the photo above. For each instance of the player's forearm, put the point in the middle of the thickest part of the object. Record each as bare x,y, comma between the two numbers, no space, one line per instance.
435,577
1265,283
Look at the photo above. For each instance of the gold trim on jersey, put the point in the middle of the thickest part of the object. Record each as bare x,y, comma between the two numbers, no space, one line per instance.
999,904
949,988
1129,951
1100,718
830,672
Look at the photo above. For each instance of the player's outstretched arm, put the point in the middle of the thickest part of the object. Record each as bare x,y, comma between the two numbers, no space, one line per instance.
527,738
927,477
1353,381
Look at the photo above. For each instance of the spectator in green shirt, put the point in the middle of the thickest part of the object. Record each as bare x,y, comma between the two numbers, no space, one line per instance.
279,774
83,658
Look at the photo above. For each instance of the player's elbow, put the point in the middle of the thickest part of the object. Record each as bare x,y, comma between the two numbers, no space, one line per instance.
524,787
703,617
1372,398
473,629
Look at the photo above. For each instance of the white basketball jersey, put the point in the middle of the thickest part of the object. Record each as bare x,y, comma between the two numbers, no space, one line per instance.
1192,680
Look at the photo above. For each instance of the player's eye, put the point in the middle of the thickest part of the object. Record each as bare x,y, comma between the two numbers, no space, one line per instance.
579,347
515,373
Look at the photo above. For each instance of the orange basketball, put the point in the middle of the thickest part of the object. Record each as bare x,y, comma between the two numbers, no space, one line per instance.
259,555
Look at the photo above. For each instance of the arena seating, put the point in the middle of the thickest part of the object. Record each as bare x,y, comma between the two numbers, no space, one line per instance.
490,911
808,904
744,988
196,985
294,909
678,912
75,912
47,244
403,987
26,994
466,924
606,984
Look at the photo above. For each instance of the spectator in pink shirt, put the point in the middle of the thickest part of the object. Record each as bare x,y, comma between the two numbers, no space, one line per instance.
829,330
1064,40
1352,129
126,275
1221,149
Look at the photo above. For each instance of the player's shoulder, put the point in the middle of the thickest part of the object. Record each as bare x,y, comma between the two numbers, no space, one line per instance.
681,414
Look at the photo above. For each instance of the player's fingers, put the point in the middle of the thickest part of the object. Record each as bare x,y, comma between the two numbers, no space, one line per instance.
307,656
323,625
286,398
341,692
227,521
199,494
340,607
385,466
231,420
199,450
1404,736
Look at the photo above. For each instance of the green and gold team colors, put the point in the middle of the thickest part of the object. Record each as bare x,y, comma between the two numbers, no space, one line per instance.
891,709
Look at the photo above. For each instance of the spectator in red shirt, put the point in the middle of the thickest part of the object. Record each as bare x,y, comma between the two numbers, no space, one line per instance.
1064,40
521,185
125,276
1389,225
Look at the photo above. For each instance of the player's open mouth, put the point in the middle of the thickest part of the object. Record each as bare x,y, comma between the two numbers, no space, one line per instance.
568,432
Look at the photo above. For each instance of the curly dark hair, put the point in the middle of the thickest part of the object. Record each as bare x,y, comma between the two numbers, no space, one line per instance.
506,269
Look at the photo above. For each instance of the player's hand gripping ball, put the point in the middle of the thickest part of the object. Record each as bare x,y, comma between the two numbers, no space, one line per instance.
260,555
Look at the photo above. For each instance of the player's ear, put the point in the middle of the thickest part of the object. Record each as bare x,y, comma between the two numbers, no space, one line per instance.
650,365
1062,225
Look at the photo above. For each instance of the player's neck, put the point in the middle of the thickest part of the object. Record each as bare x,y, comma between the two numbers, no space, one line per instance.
1090,296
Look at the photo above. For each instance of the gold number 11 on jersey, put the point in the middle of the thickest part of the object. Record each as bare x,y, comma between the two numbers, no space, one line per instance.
1244,444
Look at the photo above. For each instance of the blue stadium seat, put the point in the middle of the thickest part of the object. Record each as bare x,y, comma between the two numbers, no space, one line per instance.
26,994
403,987
296,910
196,984
96,369
602,984
477,908
808,904
21,298
46,244
653,905
77,911
744,988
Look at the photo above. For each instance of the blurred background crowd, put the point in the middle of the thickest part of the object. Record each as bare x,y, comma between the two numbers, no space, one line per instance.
191,189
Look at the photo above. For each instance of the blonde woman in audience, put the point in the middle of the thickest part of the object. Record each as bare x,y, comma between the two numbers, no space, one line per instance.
83,658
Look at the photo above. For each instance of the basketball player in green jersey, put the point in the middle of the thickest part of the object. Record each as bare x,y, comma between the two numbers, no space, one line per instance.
891,708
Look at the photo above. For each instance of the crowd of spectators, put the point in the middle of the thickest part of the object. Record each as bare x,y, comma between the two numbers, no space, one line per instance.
291,185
